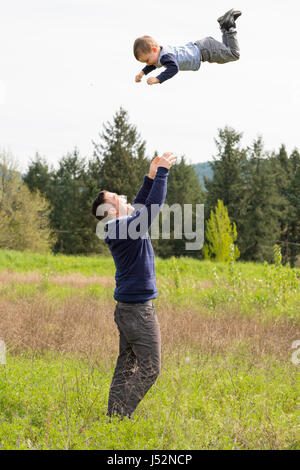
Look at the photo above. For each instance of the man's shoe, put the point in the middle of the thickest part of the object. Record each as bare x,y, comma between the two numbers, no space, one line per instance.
227,21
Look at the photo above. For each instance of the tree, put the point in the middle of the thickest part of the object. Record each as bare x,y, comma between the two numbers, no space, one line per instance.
24,216
183,188
120,157
259,220
282,173
39,176
71,217
71,190
220,235
293,218
228,183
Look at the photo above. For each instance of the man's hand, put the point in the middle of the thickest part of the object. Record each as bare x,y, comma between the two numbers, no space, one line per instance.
139,77
152,80
167,160
153,167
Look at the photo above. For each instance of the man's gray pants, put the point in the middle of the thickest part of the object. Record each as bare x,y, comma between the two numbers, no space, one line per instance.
139,361
220,52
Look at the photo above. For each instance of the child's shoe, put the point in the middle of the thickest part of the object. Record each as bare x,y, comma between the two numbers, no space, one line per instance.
227,21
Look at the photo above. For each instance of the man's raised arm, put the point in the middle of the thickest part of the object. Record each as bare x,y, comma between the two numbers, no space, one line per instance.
147,184
145,216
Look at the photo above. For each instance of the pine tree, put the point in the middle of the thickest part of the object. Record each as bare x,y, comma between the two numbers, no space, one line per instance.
282,171
259,223
229,166
220,235
293,191
183,188
39,176
120,156
71,217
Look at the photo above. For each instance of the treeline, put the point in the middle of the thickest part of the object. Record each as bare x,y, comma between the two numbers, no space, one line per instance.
261,192
118,164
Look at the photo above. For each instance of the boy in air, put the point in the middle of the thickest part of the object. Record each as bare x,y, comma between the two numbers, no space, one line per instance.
189,56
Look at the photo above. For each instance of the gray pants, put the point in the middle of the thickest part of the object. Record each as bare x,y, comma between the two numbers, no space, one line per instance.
139,360
220,52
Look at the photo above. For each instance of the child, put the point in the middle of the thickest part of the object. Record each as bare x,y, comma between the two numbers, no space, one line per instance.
190,56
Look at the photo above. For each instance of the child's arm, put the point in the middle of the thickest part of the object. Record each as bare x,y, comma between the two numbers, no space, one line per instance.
169,61
148,69
144,71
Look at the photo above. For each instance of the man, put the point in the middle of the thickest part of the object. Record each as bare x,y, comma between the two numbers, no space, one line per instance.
139,360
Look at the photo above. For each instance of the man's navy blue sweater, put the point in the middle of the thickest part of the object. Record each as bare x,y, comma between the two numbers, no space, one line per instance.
134,258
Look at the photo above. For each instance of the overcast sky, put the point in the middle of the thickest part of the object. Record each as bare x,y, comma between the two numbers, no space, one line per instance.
66,66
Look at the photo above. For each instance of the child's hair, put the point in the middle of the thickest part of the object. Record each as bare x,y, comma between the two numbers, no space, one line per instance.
143,45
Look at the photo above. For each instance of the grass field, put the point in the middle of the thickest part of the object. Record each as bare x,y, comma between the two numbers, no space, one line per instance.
227,379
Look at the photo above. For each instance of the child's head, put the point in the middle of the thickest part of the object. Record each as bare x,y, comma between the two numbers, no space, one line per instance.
146,50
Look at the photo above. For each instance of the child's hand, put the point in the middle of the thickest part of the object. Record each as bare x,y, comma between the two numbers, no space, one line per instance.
139,77
152,80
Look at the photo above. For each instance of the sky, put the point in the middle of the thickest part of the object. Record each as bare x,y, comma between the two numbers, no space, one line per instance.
66,67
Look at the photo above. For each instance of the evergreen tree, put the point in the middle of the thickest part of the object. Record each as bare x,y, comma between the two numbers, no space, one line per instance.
259,223
72,199
39,176
183,188
229,166
94,176
119,159
293,191
282,171
295,160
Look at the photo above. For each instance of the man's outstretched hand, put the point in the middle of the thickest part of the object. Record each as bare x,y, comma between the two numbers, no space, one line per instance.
167,160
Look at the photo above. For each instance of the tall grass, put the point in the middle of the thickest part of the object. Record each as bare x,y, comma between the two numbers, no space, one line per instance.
227,380
49,263
209,402
257,289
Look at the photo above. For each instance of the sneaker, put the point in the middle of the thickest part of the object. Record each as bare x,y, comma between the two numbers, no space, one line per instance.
227,21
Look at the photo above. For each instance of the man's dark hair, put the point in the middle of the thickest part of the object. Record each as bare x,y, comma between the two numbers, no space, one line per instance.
100,199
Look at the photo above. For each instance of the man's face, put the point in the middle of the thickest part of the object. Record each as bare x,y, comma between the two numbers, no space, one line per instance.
119,203
150,58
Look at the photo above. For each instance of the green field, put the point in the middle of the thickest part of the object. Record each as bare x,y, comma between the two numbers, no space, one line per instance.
227,379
